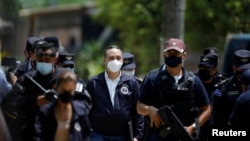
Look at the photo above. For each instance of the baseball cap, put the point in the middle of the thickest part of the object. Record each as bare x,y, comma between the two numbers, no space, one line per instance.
128,61
211,50
66,58
208,61
242,59
29,43
54,41
176,44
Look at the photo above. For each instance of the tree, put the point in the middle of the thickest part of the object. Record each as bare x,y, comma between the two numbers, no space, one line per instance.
8,16
139,24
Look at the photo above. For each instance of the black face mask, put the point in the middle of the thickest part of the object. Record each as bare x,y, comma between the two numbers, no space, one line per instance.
65,97
173,61
204,75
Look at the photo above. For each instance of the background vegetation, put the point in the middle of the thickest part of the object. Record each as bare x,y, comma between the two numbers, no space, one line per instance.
139,24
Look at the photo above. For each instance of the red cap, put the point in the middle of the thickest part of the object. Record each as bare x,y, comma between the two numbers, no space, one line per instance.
175,44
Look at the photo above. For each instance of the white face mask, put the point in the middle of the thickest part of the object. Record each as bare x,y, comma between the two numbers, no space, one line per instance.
129,72
114,65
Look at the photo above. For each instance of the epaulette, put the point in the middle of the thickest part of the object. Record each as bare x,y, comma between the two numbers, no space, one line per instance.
139,79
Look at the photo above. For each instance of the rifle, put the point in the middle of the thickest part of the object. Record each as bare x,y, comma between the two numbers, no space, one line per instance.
219,84
130,127
172,124
50,94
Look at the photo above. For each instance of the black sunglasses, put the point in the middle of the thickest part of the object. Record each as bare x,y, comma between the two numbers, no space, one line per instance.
68,66
48,55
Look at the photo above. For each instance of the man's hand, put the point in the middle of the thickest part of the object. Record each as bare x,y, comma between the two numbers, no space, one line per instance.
13,78
190,129
154,117
41,100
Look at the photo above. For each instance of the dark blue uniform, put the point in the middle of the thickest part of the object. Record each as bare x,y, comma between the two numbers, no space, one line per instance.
46,124
110,120
20,104
239,117
225,96
183,101
224,100
210,77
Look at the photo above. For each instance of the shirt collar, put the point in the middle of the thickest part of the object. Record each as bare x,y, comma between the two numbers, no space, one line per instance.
107,77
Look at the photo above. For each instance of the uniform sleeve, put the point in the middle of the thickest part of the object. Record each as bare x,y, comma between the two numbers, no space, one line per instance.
82,95
201,96
147,89
138,120
235,116
5,86
37,135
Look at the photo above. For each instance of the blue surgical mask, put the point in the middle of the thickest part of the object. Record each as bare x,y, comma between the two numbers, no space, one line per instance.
44,68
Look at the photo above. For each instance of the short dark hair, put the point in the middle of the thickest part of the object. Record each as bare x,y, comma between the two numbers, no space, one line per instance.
111,47
66,76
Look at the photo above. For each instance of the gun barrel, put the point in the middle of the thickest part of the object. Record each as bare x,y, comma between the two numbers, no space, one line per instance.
130,127
176,123
37,84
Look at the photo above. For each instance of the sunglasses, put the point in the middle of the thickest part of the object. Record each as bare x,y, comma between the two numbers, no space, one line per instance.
47,55
68,66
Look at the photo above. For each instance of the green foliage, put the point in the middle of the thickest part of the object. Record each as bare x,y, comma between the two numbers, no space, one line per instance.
139,25
208,22
46,3
9,9
89,60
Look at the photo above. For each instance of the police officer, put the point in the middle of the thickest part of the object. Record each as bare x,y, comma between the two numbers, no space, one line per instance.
129,65
210,77
64,119
66,61
172,85
24,99
114,97
28,64
239,119
226,95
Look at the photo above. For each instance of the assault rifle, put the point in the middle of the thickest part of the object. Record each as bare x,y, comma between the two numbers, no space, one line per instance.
172,124
50,94
219,84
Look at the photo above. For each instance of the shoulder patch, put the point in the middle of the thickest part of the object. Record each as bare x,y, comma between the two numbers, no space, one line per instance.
218,92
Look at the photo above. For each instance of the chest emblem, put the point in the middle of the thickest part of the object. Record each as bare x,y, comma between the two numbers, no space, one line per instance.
124,90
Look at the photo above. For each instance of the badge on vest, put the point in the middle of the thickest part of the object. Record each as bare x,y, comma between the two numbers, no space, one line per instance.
218,92
124,90
77,127
79,87
233,93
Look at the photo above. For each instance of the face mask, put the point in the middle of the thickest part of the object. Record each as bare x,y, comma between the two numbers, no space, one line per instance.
204,74
173,61
44,68
129,72
114,65
65,97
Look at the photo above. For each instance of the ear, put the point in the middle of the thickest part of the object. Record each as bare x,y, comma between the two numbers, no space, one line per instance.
105,62
184,55
56,60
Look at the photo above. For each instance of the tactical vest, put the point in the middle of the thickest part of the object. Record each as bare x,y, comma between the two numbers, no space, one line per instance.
180,95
